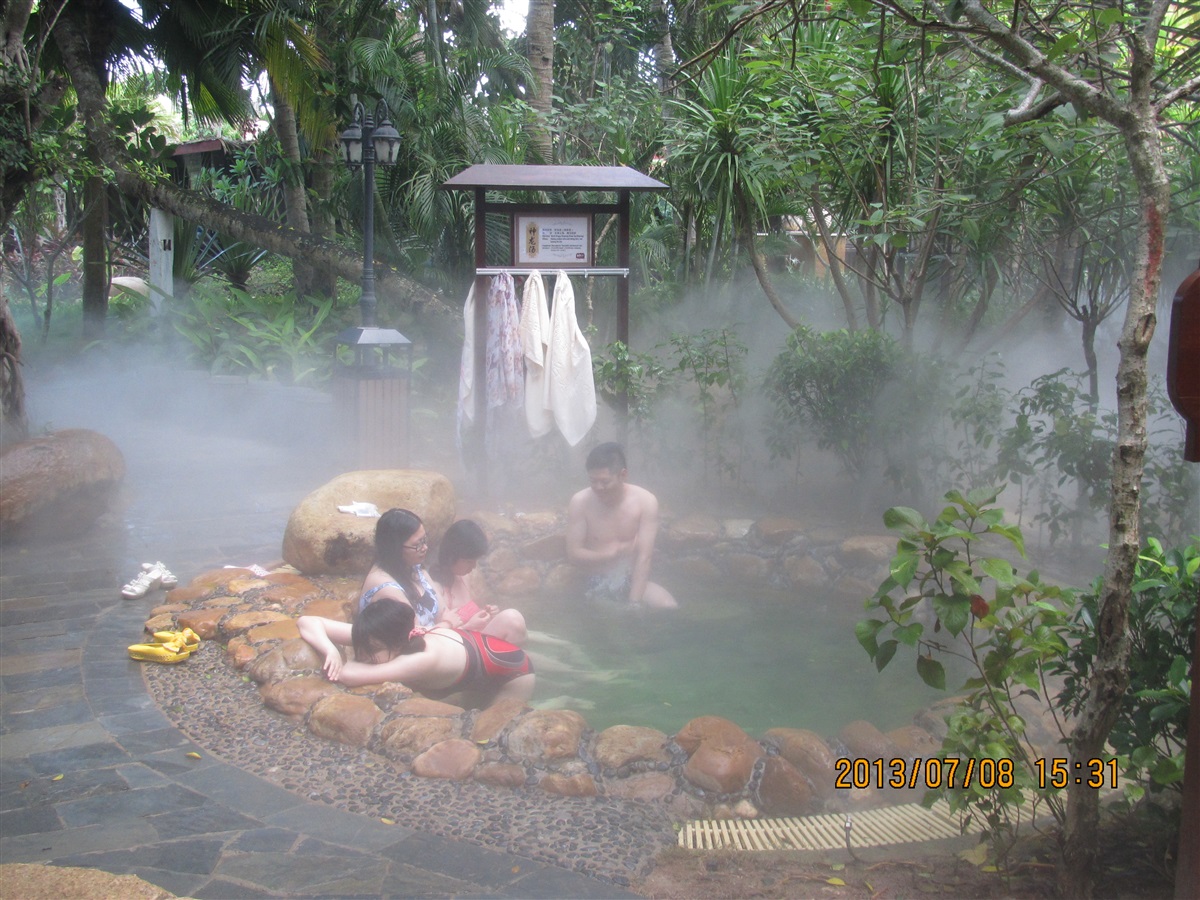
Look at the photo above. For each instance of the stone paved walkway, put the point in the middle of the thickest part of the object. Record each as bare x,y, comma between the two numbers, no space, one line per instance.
91,772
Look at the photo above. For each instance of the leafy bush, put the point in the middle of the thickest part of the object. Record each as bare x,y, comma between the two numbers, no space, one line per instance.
856,393
277,338
1151,728
1007,629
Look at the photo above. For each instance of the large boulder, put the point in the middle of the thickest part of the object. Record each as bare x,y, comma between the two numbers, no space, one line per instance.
321,540
57,485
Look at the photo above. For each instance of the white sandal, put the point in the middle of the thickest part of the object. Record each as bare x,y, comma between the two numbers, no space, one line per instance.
161,574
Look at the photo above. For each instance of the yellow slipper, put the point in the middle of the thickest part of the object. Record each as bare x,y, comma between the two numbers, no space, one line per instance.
171,652
186,637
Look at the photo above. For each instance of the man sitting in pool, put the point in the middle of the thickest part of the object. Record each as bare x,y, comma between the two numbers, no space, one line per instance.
611,528
389,645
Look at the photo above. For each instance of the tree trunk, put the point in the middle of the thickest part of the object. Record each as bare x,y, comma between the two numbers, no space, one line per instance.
14,424
539,31
294,196
257,230
747,226
1110,677
94,237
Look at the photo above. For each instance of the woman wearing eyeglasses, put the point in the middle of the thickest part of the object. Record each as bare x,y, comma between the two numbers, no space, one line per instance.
400,548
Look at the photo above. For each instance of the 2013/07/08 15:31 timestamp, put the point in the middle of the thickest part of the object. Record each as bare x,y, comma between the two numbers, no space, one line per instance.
1058,772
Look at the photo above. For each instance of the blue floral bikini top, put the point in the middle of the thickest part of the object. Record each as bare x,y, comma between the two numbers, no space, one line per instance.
425,606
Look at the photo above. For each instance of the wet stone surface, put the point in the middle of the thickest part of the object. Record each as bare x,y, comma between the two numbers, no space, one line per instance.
222,712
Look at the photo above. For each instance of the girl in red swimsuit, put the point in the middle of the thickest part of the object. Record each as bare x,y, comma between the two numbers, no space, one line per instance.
388,646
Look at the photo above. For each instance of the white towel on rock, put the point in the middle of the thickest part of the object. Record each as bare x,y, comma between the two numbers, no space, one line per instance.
535,338
570,391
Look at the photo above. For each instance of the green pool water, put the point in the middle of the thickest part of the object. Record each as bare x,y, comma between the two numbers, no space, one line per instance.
762,659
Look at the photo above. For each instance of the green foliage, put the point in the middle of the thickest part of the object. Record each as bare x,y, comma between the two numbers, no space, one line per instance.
1006,629
709,365
1151,728
828,385
639,376
276,338
1059,444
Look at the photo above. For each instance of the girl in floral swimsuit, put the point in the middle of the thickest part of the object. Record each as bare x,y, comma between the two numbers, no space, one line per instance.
390,646
400,548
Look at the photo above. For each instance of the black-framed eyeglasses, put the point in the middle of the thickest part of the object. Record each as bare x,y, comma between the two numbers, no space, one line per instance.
419,545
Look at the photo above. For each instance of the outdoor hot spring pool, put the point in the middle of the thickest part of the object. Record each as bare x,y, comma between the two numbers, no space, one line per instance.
761,658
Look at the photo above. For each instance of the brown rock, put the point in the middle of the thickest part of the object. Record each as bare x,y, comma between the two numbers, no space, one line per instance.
784,791
563,581
551,548
202,621
224,602
239,622
493,720
290,595
320,539
644,787
912,742
455,759
423,706
864,741
722,767
933,718
547,734
519,582
736,529
281,630
582,785
165,622
246,584
693,531
805,572
58,484
709,728
390,695
240,653
538,522
508,775
172,608
495,525
406,736
776,530
621,745
328,608
344,718
854,588
296,696
283,661
867,550
808,752
748,567
189,594
502,559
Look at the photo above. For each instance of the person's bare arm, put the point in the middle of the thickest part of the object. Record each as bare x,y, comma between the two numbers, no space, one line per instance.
324,636
643,548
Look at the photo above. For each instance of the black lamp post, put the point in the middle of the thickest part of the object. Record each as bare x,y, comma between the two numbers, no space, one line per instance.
359,143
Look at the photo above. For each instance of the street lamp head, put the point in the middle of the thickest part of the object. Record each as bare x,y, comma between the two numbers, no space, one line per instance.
352,144
387,143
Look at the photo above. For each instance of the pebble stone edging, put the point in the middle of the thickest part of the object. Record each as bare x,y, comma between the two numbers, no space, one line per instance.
710,768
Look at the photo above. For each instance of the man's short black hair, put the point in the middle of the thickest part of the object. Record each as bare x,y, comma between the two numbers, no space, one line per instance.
608,455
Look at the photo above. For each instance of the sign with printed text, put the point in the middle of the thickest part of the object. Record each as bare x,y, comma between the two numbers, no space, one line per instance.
552,241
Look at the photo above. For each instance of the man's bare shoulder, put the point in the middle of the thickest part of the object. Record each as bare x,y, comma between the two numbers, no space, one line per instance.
643,498
579,501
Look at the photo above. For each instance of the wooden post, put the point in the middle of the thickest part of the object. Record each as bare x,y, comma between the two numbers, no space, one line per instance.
478,434
623,298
